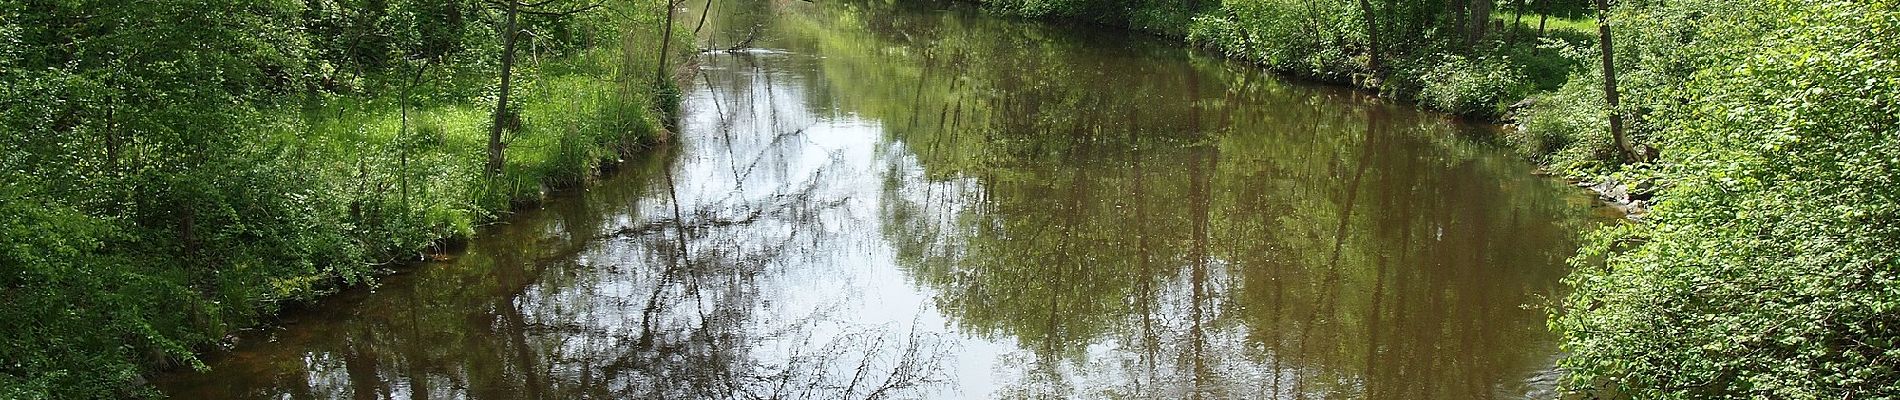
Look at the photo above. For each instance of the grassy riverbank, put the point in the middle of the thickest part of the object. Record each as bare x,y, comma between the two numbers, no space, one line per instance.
1763,133
183,169
1428,53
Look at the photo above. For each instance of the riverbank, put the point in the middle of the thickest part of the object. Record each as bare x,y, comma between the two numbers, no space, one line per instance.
950,204
1526,66
1760,133
1518,72
1480,76
158,203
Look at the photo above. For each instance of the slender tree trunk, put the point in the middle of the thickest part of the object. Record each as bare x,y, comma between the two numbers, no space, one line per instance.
1511,34
666,45
1609,82
1373,61
402,152
187,230
112,137
501,101
1455,11
1543,17
402,133
703,13
1312,17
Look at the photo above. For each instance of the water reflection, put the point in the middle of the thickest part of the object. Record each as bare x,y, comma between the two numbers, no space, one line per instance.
1146,223
901,201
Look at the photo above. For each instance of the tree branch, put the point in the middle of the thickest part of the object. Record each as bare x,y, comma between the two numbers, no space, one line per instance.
563,13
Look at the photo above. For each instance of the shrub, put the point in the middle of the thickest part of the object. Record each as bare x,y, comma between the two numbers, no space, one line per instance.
1481,86
154,199
1771,268
1566,129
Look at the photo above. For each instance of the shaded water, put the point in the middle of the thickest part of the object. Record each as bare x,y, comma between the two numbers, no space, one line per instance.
925,202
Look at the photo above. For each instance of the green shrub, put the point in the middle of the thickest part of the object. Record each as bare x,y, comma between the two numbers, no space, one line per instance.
1566,129
1166,17
1771,268
1481,86
50,253
1311,39
1551,62
162,189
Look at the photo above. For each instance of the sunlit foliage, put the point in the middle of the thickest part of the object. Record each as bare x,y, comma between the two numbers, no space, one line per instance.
1465,57
173,170
1770,269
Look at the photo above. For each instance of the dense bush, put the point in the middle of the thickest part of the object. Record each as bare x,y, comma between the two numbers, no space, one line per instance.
173,170
1445,58
1771,269
1563,129
1161,16
53,255
1313,39
1562,132
1483,86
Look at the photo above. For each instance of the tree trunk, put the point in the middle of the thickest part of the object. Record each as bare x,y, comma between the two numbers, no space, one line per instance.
501,101
187,230
112,137
1455,12
1479,20
666,46
1543,17
402,133
1511,34
703,13
1372,39
1609,82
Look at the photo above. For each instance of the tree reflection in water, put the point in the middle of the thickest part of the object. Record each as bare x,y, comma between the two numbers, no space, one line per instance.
1144,223
924,202
619,294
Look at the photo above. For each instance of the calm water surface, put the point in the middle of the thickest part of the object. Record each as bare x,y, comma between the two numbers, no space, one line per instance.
889,201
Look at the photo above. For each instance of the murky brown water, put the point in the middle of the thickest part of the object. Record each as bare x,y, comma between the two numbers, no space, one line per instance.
925,202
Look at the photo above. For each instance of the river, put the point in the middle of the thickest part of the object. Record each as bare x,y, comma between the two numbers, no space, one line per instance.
924,201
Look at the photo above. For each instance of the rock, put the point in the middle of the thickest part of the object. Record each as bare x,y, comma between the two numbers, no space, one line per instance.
1528,102
1612,191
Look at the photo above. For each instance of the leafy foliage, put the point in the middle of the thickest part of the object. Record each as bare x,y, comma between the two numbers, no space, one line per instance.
1770,270
1564,128
1293,36
173,170
1468,86
1450,58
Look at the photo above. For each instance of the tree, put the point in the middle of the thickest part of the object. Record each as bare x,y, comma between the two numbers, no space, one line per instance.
1372,38
1543,18
1511,34
666,42
1479,20
1628,152
510,31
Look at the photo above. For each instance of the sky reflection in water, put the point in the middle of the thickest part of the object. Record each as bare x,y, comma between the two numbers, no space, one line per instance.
925,202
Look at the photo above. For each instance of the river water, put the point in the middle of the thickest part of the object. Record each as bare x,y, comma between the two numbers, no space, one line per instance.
922,201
